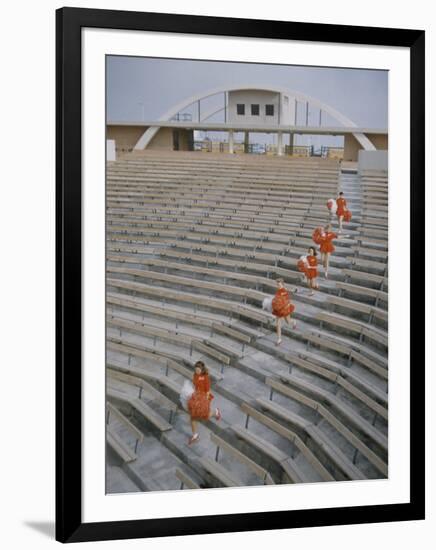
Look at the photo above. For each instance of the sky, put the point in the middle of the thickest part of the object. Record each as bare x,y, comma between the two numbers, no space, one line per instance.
145,88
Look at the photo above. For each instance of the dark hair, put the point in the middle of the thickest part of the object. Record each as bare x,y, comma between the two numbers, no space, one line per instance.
340,193
202,366
314,250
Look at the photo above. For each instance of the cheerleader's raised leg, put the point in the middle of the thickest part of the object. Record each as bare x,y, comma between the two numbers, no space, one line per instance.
288,321
326,264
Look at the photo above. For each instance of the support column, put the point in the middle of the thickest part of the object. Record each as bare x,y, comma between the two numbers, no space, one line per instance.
280,143
225,107
246,141
291,143
231,143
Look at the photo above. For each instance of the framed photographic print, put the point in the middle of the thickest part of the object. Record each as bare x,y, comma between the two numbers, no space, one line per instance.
240,232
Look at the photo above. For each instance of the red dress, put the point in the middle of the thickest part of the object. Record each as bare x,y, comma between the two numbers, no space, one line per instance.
341,206
312,271
199,402
281,306
327,245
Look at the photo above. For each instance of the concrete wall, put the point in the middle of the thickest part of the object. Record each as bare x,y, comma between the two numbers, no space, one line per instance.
110,150
125,137
186,139
380,141
289,106
352,146
373,160
164,139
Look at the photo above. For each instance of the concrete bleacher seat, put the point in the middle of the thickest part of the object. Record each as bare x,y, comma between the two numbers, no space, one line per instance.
322,396
368,279
362,330
166,294
119,447
341,376
126,375
371,434
137,406
379,296
286,463
186,480
291,436
329,454
223,445
223,477
358,308
166,360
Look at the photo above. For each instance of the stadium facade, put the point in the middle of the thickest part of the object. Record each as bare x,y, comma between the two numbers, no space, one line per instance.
247,109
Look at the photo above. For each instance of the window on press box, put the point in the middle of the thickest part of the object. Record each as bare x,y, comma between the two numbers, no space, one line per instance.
269,110
240,109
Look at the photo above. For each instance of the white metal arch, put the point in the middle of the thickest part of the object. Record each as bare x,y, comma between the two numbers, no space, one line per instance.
148,135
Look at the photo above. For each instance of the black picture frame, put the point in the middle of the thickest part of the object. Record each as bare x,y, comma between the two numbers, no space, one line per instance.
69,525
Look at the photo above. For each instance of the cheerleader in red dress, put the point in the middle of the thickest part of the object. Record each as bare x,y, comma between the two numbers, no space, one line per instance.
199,403
282,309
341,208
326,247
312,270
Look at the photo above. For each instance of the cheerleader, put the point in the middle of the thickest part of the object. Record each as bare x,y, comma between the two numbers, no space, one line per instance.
341,208
282,309
312,270
326,247
199,403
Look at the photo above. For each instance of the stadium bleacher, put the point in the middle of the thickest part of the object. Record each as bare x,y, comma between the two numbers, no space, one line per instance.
194,244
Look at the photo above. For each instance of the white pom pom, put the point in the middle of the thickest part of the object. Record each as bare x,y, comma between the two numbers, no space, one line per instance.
186,393
267,303
332,206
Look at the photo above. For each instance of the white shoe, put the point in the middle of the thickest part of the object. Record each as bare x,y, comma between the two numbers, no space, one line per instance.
193,439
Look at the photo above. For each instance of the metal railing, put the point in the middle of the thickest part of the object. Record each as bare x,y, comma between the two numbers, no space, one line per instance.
210,146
